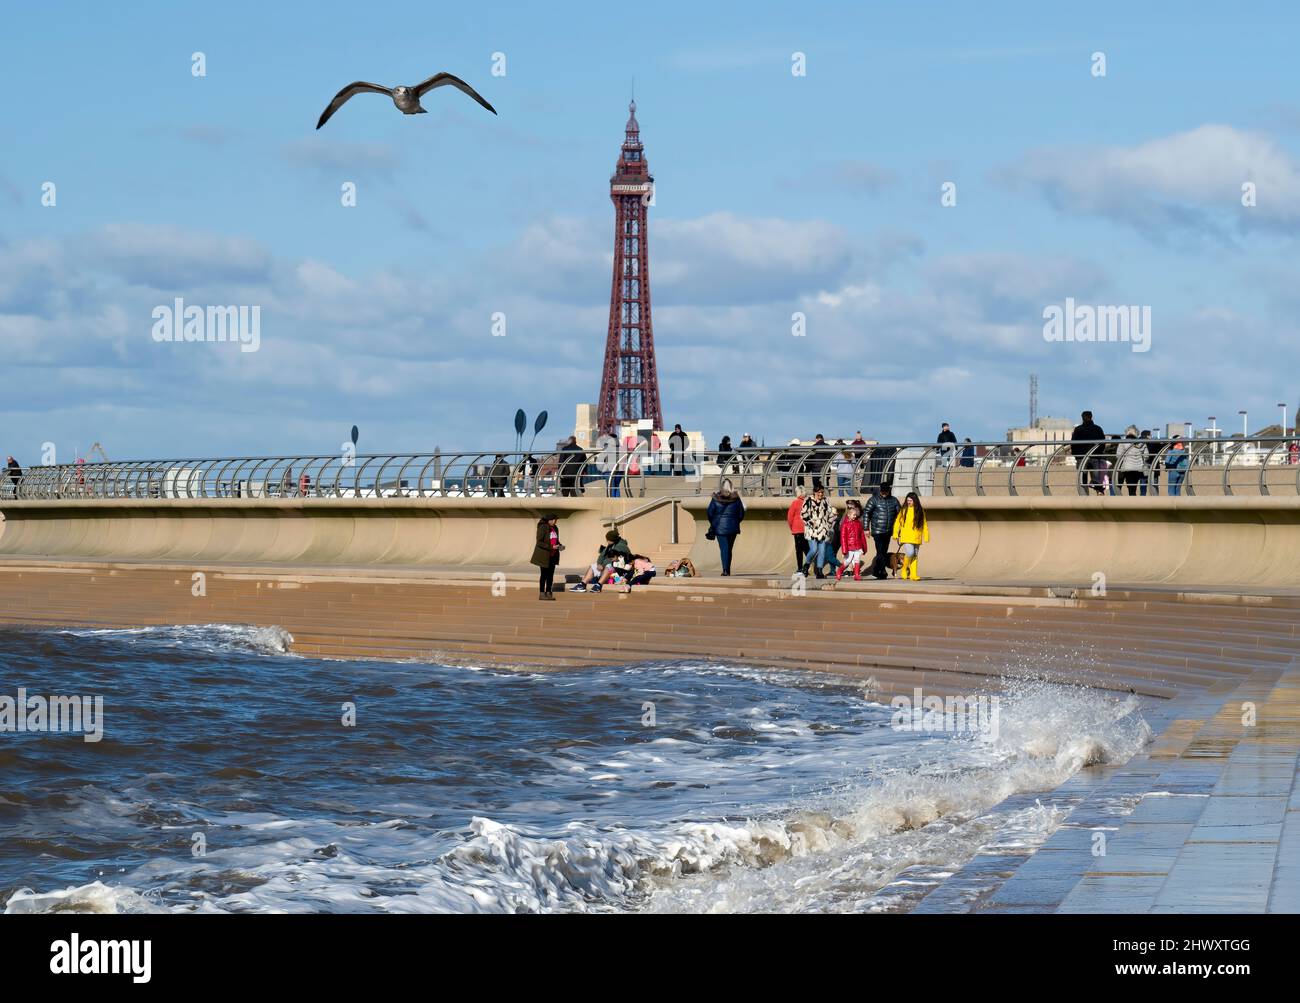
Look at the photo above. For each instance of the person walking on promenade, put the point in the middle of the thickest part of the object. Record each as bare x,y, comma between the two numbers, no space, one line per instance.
818,527
968,453
498,476
1083,441
1154,448
947,442
911,530
787,460
1176,464
853,540
546,555
794,519
1130,460
726,512
602,569
572,460
677,451
879,516
747,442
15,474
844,471
1144,439
725,453
818,458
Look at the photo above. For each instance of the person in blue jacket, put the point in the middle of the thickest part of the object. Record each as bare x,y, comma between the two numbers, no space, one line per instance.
726,512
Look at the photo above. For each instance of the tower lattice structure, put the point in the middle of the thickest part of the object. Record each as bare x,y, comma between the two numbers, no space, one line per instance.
629,383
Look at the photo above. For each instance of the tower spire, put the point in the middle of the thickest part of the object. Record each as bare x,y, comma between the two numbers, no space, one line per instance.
629,385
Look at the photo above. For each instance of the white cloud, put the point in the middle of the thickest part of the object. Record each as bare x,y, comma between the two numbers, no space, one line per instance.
1186,180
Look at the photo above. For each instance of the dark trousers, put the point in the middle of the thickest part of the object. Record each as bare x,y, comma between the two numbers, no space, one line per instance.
800,550
1131,478
546,579
1090,475
880,566
725,542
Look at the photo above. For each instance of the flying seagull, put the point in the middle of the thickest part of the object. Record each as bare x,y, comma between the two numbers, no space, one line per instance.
407,99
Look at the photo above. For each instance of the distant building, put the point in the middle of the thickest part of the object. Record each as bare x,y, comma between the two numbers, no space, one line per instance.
584,427
1052,430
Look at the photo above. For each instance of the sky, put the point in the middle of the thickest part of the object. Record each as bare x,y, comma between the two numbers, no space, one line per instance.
778,194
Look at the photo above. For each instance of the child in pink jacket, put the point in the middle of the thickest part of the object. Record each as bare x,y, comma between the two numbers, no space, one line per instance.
853,540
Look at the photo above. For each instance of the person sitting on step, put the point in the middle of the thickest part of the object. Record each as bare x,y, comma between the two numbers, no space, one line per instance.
602,569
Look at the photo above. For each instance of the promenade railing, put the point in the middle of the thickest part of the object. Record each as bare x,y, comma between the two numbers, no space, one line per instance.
1217,467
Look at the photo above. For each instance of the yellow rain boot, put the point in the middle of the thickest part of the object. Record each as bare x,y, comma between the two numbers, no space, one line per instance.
907,568
915,575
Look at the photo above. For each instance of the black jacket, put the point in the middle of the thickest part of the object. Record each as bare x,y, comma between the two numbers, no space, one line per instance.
880,513
1088,432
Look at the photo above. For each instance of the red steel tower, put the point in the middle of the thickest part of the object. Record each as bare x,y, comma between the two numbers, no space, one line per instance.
629,384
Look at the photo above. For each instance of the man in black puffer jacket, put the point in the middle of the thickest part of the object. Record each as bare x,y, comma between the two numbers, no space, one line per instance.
879,515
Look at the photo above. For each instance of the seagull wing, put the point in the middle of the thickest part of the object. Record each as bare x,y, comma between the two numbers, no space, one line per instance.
359,87
442,79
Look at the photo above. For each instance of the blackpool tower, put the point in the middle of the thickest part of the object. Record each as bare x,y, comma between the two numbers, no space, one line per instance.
629,383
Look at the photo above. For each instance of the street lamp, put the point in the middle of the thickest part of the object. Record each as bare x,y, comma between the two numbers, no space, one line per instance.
1244,433
1282,405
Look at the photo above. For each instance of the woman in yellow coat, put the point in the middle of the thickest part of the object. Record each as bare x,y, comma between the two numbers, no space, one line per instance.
911,530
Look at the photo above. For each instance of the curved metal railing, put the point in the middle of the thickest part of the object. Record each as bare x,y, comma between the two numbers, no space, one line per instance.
1220,467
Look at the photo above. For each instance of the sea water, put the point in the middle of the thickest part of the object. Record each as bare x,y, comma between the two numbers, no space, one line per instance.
232,776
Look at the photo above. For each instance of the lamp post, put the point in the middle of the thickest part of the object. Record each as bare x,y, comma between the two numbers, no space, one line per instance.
1282,405
1244,433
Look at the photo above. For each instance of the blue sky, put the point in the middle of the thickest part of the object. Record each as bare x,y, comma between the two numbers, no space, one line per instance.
776,194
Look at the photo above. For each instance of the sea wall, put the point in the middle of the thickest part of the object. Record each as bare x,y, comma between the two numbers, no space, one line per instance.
1239,541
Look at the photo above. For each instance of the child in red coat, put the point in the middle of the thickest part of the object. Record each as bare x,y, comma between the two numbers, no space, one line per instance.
853,540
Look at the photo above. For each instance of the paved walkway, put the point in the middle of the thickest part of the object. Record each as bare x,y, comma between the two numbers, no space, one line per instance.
1205,820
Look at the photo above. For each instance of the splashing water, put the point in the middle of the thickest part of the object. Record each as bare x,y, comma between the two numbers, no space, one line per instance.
482,790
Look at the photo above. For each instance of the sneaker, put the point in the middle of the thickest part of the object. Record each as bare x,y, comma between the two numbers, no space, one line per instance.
578,588
597,587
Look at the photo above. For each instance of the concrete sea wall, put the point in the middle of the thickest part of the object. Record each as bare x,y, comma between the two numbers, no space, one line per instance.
1238,541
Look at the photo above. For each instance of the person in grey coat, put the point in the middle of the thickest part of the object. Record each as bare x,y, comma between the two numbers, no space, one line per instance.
1131,460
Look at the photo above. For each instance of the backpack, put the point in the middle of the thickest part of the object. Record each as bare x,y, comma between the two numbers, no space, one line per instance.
681,569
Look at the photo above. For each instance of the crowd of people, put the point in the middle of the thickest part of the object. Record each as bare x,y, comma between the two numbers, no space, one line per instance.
1133,463
822,533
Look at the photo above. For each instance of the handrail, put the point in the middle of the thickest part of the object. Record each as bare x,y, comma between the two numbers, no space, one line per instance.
641,509
1206,466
